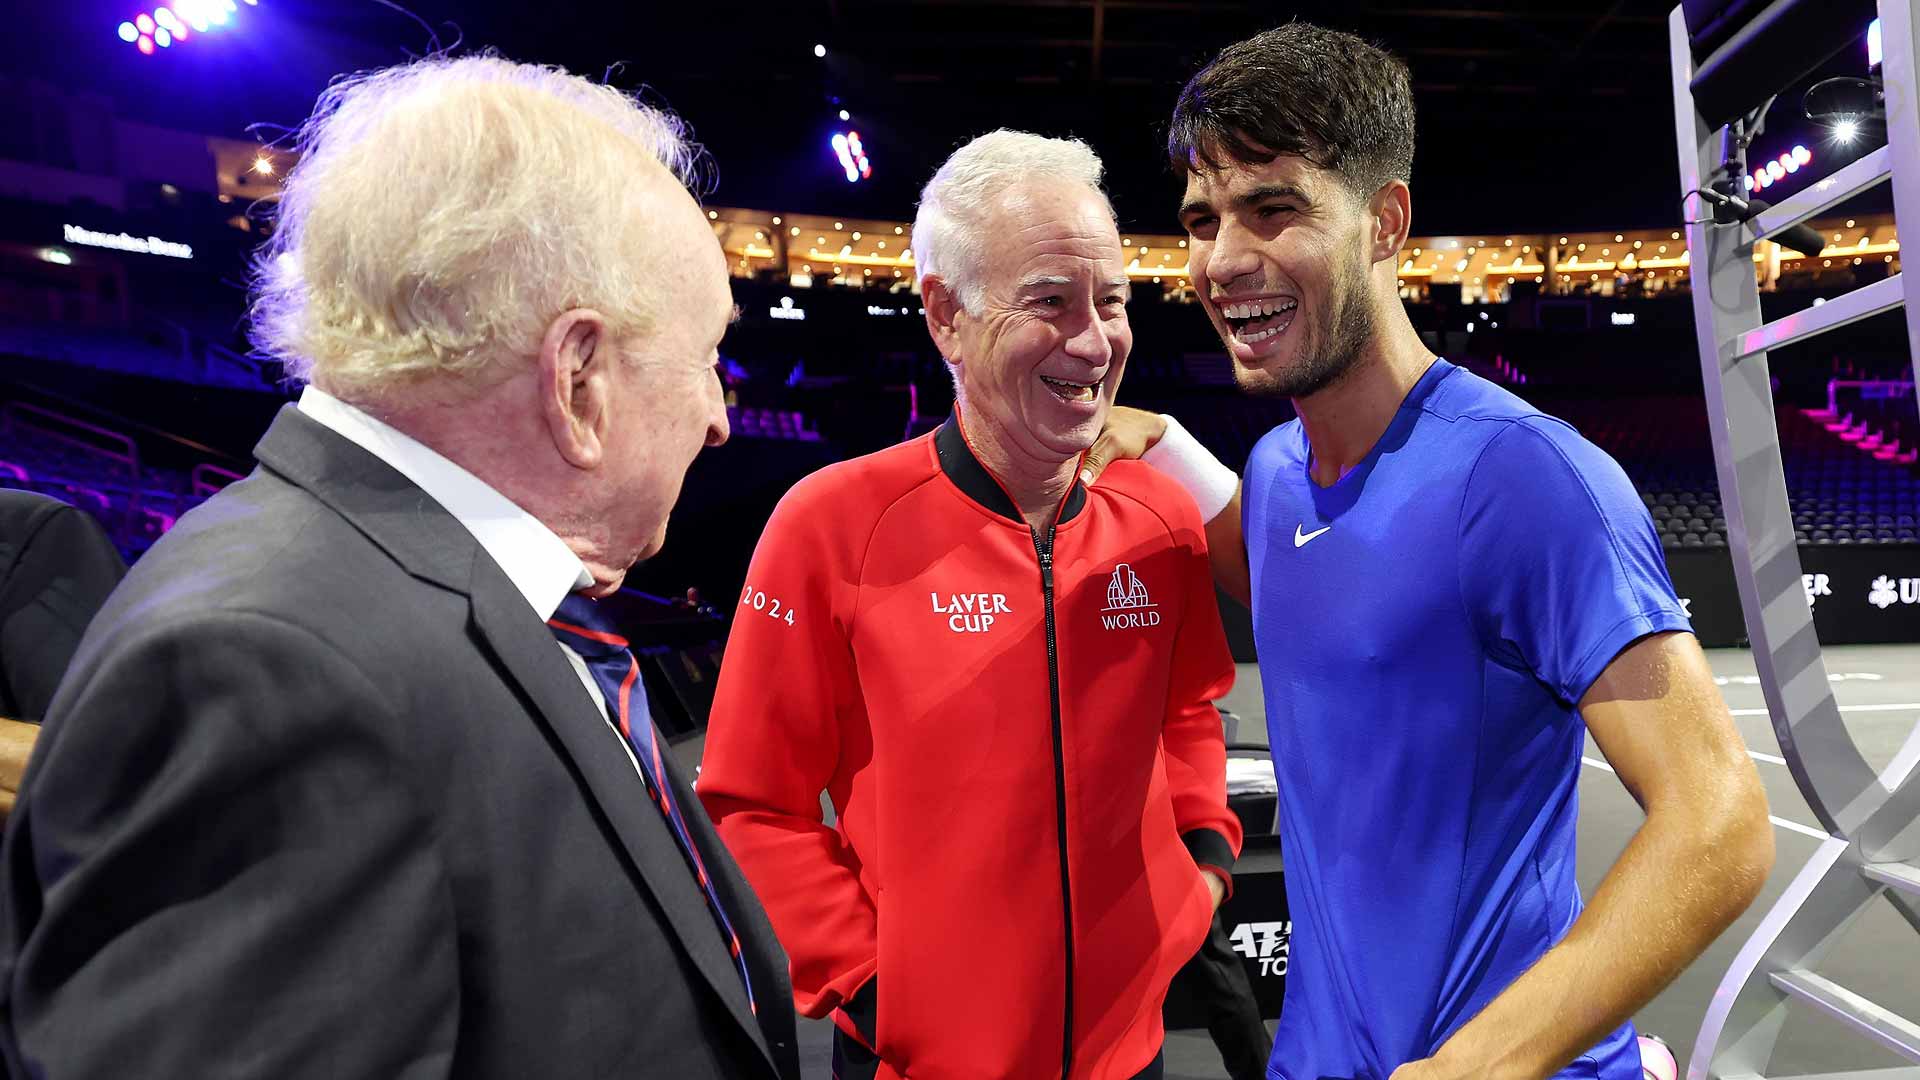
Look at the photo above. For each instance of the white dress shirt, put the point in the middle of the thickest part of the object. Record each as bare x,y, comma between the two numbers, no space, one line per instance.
538,563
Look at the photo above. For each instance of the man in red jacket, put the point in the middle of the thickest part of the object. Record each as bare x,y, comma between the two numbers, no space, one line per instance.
1003,679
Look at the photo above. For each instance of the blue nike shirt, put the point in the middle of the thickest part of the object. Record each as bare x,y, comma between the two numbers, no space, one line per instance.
1426,626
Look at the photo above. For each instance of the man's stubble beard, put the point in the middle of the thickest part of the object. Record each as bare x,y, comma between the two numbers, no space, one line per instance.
1337,336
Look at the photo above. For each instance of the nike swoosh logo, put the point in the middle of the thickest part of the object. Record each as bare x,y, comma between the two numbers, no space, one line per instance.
1300,539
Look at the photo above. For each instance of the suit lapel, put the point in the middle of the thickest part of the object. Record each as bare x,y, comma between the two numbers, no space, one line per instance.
766,959
419,534
527,650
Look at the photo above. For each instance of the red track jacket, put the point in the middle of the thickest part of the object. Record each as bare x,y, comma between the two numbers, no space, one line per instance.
1020,744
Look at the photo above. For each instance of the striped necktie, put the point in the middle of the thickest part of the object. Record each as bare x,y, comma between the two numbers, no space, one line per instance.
583,627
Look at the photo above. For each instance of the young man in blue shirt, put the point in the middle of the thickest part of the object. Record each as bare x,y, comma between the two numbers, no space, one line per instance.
1449,589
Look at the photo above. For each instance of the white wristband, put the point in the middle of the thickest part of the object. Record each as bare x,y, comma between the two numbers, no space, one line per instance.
1181,457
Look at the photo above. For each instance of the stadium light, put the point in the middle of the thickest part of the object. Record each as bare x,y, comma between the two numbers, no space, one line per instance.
177,22
844,116
859,154
1787,163
818,50
852,156
196,13
1802,155
1846,130
840,151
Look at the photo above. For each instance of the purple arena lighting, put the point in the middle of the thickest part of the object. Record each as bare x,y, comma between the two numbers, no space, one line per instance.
852,156
859,154
1776,170
846,158
177,22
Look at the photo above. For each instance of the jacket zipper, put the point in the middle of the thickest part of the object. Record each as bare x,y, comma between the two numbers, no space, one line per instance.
1044,549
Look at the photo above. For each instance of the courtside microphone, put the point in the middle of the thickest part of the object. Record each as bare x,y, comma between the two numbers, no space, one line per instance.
1802,238
1732,206
1730,209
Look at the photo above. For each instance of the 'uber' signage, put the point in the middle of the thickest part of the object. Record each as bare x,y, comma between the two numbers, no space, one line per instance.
1859,594
1887,591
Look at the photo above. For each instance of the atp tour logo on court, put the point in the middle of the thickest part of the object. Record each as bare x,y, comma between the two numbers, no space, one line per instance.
1128,605
1887,591
1265,942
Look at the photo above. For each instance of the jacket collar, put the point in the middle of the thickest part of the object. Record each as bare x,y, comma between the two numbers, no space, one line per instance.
977,482
390,510
538,562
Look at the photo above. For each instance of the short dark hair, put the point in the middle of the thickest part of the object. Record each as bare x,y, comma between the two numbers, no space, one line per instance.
1340,102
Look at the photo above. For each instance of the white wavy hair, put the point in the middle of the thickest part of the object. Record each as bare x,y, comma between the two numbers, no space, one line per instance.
950,231
443,212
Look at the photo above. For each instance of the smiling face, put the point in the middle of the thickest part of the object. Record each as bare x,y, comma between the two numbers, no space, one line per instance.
1282,254
1041,358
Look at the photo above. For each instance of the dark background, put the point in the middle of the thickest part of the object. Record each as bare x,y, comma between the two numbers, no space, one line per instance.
1533,115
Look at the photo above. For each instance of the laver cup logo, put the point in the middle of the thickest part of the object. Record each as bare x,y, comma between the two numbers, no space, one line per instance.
1265,942
1128,605
970,613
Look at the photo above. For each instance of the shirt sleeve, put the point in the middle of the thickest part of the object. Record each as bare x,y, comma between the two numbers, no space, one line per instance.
784,710
1559,563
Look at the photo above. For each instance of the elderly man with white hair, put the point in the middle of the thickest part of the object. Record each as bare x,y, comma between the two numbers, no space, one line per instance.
351,777
1003,680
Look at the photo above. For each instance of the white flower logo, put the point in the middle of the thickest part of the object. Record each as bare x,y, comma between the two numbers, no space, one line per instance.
1884,594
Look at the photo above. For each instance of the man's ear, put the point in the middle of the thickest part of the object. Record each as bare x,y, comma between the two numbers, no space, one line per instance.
943,313
1391,210
575,390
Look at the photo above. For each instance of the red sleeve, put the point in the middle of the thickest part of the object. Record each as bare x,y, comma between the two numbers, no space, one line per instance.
776,739
1194,738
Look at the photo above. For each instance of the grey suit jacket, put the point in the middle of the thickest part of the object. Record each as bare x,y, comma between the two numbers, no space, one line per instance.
320,797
